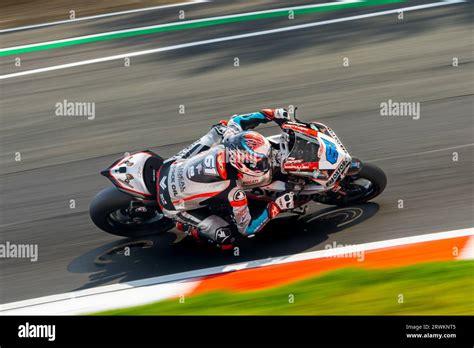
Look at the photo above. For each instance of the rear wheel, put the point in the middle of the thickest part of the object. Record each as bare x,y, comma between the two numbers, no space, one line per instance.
362,187
110,210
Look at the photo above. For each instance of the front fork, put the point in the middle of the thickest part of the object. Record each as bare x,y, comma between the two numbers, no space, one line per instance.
355,167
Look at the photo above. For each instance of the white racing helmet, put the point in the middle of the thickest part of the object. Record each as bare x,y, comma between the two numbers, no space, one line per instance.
249,152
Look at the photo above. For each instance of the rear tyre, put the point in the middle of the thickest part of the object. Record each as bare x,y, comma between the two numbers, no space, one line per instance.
109,211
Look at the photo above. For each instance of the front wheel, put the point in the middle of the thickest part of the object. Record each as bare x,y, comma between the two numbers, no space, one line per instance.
110,211
367,184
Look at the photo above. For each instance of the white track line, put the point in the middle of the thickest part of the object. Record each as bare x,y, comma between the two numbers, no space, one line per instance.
468,252
192,2
237,15
99,302
107,297
227,38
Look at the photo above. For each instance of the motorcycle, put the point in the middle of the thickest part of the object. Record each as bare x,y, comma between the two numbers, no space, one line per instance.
316,167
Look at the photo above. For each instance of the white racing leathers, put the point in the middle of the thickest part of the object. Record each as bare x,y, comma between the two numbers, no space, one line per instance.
198,182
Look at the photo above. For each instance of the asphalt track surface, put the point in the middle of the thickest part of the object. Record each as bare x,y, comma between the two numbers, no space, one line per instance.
137,107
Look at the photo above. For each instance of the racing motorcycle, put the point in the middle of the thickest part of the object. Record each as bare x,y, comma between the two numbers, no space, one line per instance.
315,166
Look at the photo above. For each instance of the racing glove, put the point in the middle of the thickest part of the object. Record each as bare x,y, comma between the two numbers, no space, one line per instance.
220,127
279,115
286,201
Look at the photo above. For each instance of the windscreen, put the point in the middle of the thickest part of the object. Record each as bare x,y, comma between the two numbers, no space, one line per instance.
305,149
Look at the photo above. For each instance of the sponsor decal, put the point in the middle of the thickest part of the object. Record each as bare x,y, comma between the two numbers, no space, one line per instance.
239,199
298,166
248,181
239,195
331,151
210,165
300,128
273,211
222,234
334,136
174,189
128,178
209,161
337,173
181,181
173,186
163,182
173,173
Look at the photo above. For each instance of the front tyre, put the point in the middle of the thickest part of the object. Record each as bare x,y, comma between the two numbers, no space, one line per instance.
362,187
110,211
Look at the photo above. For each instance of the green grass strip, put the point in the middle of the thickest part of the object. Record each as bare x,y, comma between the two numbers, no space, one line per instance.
443,288
202,24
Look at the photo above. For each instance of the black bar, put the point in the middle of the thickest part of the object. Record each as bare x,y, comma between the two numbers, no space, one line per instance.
136,331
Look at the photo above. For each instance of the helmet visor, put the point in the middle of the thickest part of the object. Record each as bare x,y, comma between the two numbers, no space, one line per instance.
260,165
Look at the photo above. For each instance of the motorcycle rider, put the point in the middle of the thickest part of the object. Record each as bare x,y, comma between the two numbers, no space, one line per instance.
212,173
